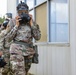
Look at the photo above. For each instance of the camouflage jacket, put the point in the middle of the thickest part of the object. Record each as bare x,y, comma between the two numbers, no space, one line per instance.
2,35
23,32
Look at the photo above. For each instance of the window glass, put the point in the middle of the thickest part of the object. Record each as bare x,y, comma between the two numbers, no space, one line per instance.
59,33
32,13
61,13
30,3
58,21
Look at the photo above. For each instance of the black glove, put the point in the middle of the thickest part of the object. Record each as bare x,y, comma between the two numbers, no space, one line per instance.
2,62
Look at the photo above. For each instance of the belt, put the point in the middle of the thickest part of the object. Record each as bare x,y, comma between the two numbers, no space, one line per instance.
22,43
6,48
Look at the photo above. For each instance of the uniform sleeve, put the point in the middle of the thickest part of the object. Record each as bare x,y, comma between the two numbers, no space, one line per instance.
11,24
36,31
1,44
7,33
2,35
10,36
12,30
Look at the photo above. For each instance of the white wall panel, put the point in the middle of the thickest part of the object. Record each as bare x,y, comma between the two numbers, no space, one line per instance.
11,7
53,60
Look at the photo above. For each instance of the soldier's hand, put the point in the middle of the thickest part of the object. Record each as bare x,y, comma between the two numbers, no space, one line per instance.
31,21
17,20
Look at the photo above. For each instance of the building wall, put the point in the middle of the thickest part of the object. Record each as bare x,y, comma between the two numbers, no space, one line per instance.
11,7
55,59
73,36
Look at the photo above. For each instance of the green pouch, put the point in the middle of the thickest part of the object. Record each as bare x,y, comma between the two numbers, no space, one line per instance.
35,56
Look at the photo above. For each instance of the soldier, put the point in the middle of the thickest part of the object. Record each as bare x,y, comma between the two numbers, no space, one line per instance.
4,46
8,16
3,51
23,32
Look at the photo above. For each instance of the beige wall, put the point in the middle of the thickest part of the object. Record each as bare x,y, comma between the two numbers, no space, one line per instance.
41,19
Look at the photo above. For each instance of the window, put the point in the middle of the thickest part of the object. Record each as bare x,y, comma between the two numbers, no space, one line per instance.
32,13
30,3
58,28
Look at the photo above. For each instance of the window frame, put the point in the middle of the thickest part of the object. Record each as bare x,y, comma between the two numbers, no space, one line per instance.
48,23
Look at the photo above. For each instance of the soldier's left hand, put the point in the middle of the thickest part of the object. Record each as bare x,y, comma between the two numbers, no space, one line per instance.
31,21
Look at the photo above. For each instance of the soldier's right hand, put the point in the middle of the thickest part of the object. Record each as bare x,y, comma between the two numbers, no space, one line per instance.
17,18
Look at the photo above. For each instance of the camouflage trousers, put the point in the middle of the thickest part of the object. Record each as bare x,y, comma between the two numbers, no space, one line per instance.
17,59
18,54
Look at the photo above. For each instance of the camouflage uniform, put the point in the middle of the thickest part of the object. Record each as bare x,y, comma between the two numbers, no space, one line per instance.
4,47
5,51
22,45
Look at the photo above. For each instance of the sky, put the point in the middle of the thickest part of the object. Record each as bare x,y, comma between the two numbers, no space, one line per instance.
3,7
